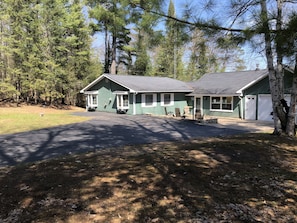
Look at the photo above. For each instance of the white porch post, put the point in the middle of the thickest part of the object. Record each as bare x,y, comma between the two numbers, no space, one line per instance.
194,107
201,105
134,103
87,102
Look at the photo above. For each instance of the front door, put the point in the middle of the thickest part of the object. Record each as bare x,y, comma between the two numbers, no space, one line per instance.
197,107
198,103
250,107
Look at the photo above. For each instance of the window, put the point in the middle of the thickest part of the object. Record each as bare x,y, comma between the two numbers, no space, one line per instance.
222,103
215,103
125,101
227,103
167,99
92,100
122,101
149,100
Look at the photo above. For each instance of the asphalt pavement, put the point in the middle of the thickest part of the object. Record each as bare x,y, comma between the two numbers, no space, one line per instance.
104,130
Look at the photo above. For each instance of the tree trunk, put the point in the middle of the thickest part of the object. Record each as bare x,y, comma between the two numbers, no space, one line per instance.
291,128
275,94
106,59
279,66
113,56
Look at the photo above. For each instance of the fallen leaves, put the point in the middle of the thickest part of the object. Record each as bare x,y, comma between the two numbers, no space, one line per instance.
237,179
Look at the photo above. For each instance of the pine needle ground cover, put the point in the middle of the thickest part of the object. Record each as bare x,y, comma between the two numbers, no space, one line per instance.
25,118
246,178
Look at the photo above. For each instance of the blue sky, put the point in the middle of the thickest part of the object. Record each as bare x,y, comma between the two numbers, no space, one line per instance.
251,58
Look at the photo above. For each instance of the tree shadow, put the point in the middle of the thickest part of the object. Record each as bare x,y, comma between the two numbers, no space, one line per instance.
113,131
229,179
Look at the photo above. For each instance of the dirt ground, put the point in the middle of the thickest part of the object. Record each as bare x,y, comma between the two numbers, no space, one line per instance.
245,178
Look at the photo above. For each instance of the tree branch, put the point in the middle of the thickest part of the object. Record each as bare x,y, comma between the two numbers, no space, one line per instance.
195,24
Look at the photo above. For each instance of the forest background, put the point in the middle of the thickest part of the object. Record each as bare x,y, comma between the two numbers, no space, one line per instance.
47,51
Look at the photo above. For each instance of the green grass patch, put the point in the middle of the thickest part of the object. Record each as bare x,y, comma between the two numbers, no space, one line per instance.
13,120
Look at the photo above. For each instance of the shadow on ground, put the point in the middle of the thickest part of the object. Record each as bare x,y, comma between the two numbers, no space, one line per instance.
247,178
103,131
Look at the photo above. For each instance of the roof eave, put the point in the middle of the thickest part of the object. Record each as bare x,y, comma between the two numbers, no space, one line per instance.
214,94
119,83
129,88
164,91
92,83
240,91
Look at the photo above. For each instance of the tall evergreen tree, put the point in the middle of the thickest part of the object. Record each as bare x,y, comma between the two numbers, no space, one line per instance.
169,58
44,50
111,18
146,39
201,60
77,41
7,87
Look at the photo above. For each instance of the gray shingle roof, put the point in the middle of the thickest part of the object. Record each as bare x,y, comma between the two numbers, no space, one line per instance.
228,83
145,83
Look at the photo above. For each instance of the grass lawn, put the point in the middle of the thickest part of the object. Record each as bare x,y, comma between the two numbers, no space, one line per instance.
25,118
246,178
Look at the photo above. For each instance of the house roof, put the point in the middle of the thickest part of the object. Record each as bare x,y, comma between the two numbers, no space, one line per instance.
140,84
228,83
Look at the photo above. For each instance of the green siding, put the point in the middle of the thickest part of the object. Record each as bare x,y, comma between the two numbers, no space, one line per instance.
106,97
261,87
107,100
179,102
236,113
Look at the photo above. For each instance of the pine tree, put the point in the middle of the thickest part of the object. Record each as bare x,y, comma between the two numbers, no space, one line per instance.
200,59
77,42
169,58
111,18
44,50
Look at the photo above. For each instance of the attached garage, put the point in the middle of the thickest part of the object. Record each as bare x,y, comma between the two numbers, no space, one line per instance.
265,107
250,107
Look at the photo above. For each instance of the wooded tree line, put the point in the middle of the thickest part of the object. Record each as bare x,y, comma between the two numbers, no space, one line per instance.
46,54
270,26
155,44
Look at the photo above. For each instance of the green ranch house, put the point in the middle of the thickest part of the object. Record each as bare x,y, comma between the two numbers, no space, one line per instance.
240,94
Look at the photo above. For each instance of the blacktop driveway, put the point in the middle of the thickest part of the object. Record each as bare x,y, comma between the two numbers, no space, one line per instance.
106,130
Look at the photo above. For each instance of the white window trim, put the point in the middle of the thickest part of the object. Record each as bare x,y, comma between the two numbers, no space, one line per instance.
171,99
120,97
221,104
143,102
90,100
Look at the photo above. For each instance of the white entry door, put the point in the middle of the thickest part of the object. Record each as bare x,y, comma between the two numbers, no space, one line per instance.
250,107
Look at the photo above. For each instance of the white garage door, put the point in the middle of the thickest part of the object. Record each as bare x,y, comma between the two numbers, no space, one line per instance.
265,106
